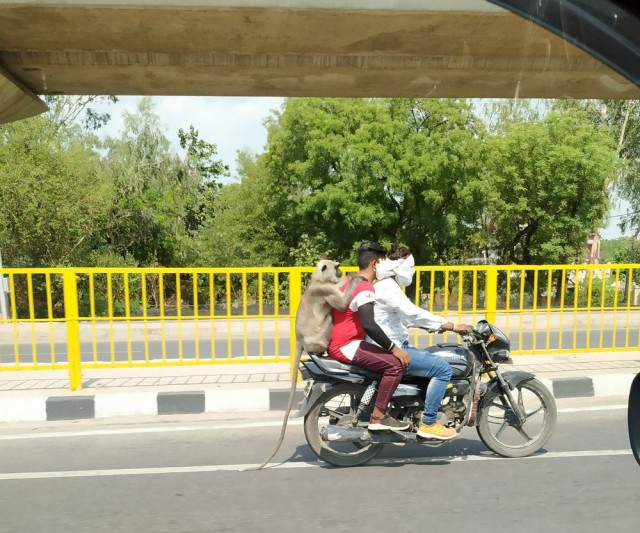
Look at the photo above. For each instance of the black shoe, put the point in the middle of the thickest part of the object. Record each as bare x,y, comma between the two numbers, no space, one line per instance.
386,423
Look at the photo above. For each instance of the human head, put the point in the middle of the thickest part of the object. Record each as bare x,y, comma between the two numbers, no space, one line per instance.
369,251
399,252
399,265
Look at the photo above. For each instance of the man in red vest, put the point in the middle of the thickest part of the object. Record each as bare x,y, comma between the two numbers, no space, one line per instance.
348,343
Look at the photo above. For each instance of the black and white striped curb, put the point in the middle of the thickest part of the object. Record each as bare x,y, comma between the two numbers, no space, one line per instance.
141,403
49,408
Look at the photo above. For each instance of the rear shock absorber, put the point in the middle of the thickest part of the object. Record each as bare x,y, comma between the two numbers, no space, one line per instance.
365,401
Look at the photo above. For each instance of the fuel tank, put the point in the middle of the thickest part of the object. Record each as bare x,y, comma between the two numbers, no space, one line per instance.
459,358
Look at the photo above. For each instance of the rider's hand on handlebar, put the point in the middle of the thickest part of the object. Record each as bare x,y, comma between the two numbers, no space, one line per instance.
462,329
402,355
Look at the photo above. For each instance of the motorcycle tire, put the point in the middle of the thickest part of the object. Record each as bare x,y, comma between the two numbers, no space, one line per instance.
497,443
348,454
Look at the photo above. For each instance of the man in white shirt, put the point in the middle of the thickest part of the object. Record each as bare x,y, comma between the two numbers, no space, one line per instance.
394,312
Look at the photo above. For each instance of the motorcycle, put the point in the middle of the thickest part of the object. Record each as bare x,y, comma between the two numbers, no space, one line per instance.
513,412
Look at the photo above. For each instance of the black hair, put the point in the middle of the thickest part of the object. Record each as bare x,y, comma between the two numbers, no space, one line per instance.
368,252
399,252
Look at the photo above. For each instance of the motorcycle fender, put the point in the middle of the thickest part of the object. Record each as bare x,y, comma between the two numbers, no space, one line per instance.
512,378
307,402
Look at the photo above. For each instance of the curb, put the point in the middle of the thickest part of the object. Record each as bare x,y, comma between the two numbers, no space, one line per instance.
93,406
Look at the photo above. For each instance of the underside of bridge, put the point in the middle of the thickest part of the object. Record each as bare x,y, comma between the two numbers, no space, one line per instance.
366,48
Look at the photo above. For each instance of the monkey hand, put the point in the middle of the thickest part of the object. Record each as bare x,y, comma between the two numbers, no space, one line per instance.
402,355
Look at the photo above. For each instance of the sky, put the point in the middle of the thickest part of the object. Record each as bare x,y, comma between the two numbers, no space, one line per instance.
234,124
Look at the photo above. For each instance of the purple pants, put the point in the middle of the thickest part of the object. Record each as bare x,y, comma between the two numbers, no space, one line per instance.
376,359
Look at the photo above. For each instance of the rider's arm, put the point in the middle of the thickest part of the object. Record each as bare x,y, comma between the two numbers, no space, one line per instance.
412,315
364,304
372,329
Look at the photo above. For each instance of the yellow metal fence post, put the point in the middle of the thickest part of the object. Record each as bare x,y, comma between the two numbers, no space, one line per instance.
491,294
295,292
71,316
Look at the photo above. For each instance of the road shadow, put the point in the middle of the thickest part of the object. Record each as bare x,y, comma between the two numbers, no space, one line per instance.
410,453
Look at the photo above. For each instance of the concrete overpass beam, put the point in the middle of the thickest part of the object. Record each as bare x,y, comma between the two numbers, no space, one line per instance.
16,100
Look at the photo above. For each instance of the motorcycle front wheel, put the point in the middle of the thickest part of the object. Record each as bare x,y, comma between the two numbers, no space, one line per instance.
337,406
502,432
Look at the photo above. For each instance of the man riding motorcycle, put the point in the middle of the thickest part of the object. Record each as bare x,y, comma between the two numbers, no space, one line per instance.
394,312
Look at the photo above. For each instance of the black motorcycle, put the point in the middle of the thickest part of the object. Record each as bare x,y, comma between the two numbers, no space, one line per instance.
513,412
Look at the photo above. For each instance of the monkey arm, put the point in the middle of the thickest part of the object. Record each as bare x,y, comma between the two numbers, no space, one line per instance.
340,300
371,328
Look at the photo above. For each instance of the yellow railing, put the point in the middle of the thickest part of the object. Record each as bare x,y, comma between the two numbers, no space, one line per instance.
78,318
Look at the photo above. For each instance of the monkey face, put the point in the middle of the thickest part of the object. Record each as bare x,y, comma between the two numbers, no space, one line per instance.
328,270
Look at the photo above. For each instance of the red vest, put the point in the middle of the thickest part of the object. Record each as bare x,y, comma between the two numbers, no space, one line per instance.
346,325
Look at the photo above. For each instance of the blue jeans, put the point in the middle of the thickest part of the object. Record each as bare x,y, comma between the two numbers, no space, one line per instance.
426,365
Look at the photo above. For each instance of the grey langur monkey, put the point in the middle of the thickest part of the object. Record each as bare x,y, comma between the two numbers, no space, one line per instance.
314,323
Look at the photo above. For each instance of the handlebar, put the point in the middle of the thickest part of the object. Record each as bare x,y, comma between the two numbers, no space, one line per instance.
475,335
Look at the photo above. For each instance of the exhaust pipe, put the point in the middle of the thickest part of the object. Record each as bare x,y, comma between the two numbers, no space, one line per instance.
351,434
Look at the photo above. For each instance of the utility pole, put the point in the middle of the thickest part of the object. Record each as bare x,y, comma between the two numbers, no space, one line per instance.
4,304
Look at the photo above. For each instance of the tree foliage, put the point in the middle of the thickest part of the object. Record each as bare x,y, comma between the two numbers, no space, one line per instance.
548,188
159,197
621,120
524,186
68,199
340,171
620,250
54,196
522,182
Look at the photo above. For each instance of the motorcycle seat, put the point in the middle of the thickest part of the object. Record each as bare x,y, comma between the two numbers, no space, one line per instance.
331,366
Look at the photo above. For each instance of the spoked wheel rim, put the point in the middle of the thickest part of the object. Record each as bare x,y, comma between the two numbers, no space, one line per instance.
502,431
337,406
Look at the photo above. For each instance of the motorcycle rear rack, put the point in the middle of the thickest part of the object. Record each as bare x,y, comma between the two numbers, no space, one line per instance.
350,434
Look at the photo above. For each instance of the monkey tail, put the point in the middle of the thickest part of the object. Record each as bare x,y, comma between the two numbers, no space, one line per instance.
292,392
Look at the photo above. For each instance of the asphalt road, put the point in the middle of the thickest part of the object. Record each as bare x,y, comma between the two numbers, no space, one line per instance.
181,475
120,348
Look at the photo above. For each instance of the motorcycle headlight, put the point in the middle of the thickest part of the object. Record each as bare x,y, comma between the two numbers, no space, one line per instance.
500,356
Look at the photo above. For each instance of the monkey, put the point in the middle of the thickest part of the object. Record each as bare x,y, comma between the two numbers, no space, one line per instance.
314,324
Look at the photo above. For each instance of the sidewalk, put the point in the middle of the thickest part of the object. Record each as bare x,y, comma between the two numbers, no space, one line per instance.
45,395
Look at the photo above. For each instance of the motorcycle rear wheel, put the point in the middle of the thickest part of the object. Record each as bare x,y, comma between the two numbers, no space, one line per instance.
338,403
510,438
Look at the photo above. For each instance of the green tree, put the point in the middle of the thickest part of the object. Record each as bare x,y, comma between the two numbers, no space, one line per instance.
54,196
200,161
621,120
160,199
77,112
244,231
549,188
352,169
620,250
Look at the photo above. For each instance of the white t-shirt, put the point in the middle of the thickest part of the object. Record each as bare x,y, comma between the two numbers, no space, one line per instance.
394,312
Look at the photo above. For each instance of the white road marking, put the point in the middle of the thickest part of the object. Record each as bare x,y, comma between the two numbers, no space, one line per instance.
593,408
292,465
135,431
219,426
